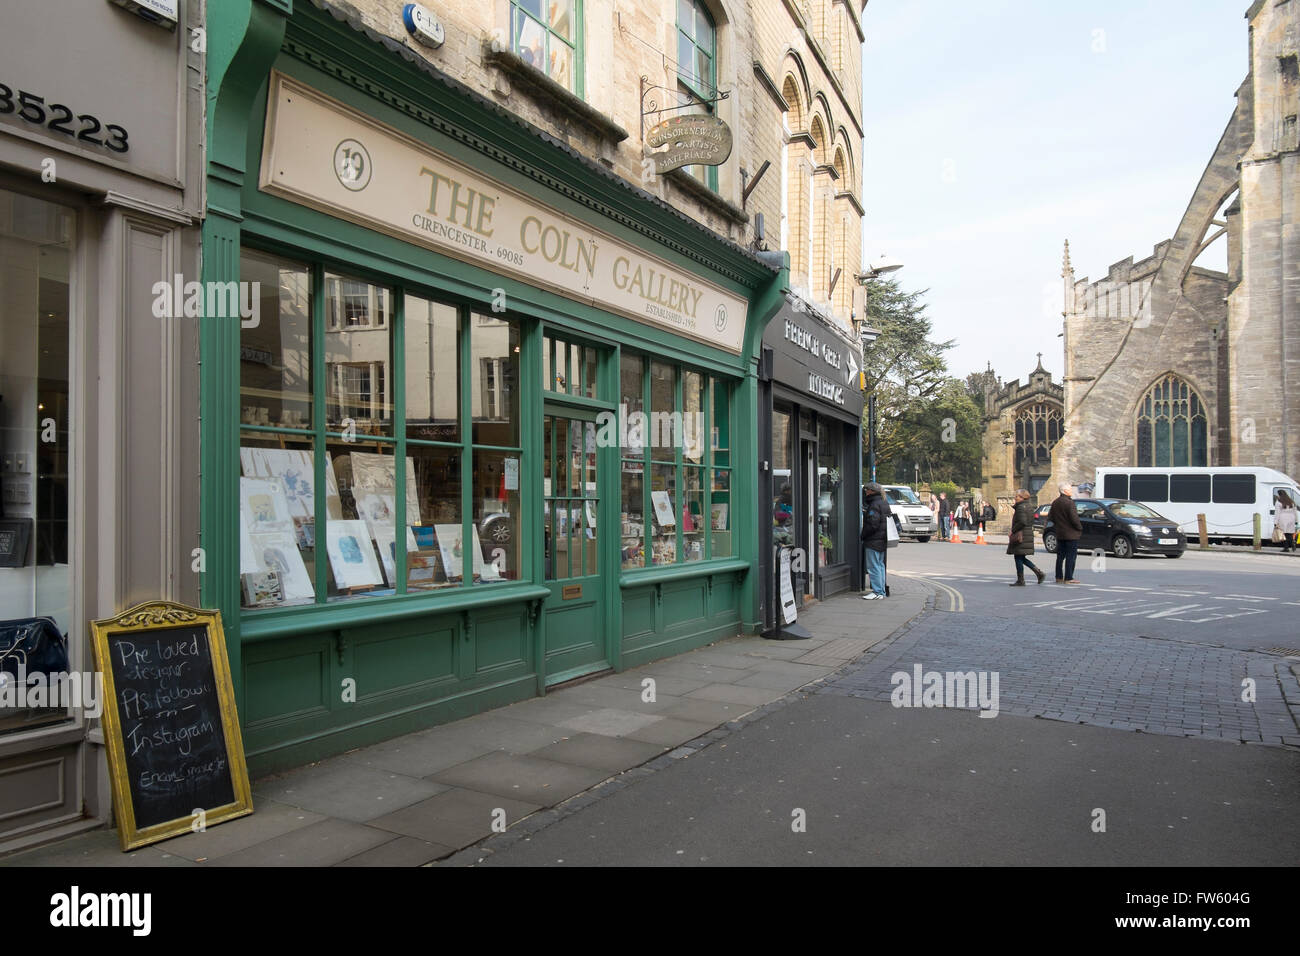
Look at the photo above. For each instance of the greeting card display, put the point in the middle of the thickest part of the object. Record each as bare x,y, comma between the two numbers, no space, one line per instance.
295,470
373,473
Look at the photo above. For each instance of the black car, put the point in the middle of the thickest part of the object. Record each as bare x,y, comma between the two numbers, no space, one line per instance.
1040,517
1122,527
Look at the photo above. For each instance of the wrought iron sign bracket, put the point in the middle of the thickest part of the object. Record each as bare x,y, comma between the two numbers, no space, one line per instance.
647,87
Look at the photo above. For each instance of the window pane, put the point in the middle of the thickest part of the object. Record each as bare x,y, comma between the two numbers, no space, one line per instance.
277,519
663,425
1149,487
1189,488
782,493
632,407
530,40
562,18
435,518
275,355
664,510
693,401
432,371
1162,442
1180,442
632,518
1115,486
829,538
496,515
36,437
693,515
358,357
720,410
1198,442
720,513
1234,489
495,364
559,65
367,525
1144,449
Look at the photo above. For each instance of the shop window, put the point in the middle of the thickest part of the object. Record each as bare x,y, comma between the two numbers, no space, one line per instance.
568,368
830,489
697,72
783,524
36,430
681,445
547,35
419,494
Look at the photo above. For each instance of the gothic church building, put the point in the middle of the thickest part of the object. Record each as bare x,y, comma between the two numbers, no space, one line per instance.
1168,363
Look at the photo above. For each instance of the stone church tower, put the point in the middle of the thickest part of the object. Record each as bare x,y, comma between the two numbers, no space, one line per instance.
1022,424
1168,363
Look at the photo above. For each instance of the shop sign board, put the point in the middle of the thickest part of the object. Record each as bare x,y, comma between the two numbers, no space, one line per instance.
811,358
320,153
692,139
175,754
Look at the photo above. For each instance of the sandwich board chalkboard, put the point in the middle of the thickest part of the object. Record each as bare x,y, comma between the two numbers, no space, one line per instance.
174,751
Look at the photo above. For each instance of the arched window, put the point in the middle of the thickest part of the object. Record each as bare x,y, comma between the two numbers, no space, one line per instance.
791,221
1039,426
1172,427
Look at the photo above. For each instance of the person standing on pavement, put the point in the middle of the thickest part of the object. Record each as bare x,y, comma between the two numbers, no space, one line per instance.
1064,518
1284,519
876,516
1021,543
945,515
988,515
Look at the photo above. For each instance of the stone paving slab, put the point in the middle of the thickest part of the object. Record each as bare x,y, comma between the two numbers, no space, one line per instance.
612,722
600,752
456,818
321,844
403,851
522,777
672,731
341,789
736,694
269,820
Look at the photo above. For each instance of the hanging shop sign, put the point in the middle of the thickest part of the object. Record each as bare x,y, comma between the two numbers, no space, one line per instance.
423,25
322,154
175,754
813,359
692,140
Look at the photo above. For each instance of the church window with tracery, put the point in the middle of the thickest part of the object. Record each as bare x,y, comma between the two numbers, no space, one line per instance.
1172,428
1038,427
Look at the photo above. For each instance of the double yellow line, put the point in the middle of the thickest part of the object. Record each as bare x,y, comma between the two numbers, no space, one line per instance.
956,603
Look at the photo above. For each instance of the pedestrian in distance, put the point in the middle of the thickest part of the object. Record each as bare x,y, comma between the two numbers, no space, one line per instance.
1021,542
875,537
989,514
945,515
1284,519
1064,518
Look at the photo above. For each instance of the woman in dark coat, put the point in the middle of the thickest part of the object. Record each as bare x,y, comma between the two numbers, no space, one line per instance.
1022,538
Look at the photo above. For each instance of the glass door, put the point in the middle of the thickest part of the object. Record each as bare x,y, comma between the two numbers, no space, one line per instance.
573,532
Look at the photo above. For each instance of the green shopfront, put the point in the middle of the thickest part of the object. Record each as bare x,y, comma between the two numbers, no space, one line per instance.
484,419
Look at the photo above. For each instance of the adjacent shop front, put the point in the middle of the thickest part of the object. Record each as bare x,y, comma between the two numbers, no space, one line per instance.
810,422
100,198
486,424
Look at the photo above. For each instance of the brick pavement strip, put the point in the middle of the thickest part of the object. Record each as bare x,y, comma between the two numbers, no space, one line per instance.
1109,680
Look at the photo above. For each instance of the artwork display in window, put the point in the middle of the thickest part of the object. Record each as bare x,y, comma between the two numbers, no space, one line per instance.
663,505
374,474
351,555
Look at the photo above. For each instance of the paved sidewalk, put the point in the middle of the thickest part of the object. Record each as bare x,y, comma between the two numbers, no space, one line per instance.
425,796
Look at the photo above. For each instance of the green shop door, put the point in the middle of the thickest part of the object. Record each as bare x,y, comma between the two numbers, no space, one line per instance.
573,473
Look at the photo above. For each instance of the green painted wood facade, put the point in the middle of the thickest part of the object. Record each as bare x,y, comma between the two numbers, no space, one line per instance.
421,659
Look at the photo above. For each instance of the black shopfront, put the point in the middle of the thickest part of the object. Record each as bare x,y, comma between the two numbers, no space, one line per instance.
810,430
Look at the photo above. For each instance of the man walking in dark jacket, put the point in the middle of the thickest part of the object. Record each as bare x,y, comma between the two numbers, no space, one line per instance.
1064,519
945,515
876,516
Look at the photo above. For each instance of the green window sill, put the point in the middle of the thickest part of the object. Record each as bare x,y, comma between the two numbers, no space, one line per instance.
679,572
282,622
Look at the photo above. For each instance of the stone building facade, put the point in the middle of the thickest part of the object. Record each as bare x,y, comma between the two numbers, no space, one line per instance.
1169,363
790,72
1022,424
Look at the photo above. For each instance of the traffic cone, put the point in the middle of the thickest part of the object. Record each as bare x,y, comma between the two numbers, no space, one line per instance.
979,536
955,538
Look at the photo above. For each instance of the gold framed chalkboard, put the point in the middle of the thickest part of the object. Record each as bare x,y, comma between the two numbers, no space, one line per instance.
175,754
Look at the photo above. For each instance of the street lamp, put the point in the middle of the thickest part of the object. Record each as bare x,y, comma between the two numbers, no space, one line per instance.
874,270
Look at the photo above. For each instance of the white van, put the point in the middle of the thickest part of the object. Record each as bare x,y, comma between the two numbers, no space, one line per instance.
1228,497
914,519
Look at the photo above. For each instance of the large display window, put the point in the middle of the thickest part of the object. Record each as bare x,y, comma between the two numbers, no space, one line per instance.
676,464
36,428
404,410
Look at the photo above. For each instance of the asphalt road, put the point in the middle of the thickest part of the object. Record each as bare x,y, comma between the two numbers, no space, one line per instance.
1124,735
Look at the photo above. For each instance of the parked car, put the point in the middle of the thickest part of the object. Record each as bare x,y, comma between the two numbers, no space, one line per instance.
1040,517
1122,527
913,519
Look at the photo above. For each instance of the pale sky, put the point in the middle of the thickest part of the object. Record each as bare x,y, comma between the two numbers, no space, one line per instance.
996,130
